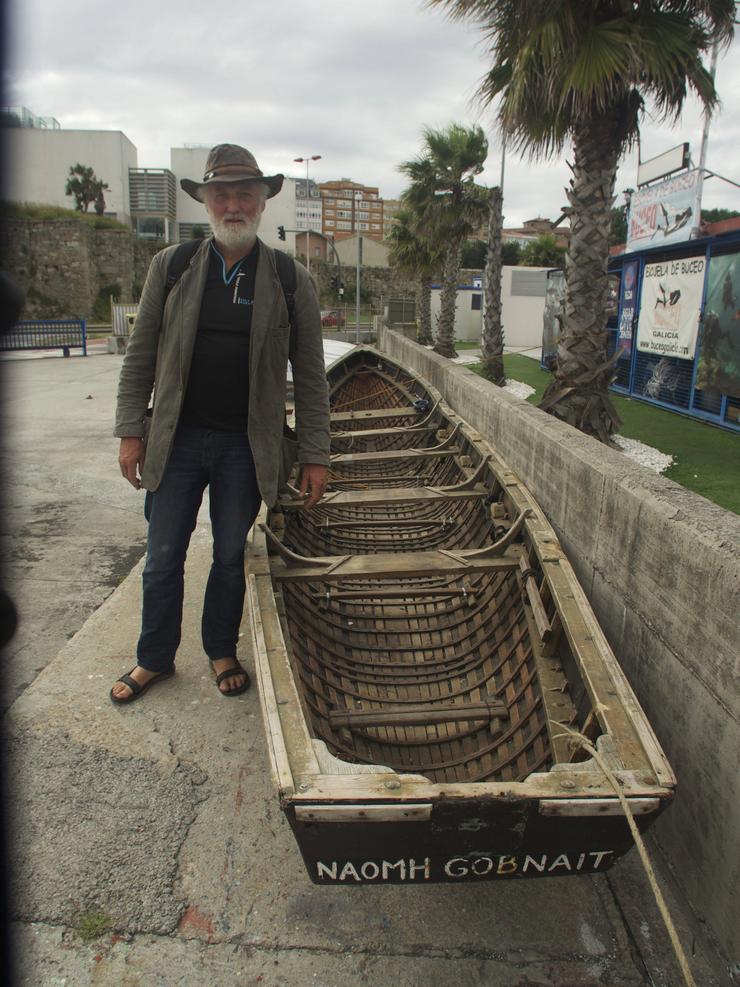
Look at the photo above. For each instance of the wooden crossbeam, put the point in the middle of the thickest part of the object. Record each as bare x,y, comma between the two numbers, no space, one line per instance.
377,433
390,495
421,714
406,411
390,454
389,565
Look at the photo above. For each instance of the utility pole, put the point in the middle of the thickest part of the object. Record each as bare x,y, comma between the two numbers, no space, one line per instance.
357,288
307,159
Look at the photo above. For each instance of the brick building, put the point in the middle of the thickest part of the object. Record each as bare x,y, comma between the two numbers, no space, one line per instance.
349,207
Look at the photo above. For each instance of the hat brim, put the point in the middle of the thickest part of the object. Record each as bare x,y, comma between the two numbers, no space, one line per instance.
195,189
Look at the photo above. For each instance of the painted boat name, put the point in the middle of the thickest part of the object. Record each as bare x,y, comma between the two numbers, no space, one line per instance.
409,869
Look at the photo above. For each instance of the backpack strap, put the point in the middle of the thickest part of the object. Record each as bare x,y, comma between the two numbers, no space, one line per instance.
181,257
286,272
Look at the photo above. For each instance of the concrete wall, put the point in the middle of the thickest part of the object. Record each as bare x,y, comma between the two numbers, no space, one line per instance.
38,163
661,566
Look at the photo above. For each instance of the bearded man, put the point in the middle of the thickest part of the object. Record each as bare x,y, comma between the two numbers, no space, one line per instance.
212,344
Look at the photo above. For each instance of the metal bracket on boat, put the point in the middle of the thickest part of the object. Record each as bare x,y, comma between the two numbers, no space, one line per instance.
498,547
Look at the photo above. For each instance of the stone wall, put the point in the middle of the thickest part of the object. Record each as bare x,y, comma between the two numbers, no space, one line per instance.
379,283
63,265
661,567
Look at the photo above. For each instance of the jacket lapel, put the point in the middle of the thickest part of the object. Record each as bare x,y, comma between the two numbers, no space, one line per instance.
266,289
192,285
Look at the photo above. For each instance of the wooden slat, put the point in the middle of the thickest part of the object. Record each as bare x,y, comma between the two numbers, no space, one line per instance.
340,417
379,433
390,454
386,565
388,495
417,715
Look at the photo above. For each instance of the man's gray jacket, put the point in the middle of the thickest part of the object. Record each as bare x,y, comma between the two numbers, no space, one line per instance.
160,350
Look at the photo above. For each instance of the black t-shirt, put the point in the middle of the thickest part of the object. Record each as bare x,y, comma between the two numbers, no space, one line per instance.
217,393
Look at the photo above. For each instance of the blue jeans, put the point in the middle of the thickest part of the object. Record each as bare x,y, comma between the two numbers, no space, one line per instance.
200,457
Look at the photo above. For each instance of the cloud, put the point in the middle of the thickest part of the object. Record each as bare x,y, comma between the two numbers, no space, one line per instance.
353,81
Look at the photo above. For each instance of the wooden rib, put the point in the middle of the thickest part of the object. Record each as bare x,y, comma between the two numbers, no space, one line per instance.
421,715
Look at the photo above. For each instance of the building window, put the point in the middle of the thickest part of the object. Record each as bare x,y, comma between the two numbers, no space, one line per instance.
362,226
344,226
330,222
475,303
376,226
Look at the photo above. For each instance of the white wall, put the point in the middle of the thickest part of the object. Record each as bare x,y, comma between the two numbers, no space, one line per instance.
521,315
39,162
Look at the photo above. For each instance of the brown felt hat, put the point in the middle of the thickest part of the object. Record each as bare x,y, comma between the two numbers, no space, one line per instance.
231,163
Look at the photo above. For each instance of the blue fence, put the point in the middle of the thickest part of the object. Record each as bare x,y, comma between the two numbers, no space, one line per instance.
46,334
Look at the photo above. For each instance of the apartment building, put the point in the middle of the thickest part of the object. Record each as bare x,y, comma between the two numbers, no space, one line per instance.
349,207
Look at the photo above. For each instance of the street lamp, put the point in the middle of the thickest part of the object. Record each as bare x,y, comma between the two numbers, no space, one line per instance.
307,159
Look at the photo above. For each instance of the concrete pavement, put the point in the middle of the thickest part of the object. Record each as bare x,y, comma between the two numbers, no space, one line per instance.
148,847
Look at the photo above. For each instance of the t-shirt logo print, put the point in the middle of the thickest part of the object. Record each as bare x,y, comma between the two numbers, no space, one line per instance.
235,298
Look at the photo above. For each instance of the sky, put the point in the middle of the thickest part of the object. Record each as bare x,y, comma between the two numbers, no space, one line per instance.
355,81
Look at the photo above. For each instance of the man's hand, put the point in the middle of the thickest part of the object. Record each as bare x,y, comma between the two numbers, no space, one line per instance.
313,483
131,460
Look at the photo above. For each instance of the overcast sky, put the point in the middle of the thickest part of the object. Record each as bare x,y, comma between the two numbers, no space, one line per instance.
353,80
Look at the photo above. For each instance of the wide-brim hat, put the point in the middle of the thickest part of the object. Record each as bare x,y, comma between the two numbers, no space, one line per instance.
231,163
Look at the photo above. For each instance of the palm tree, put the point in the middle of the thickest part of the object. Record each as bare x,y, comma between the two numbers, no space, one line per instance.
492,339
581,72
418,258
449,207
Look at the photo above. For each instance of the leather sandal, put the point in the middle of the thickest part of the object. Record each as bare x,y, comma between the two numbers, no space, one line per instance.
137,690
235,669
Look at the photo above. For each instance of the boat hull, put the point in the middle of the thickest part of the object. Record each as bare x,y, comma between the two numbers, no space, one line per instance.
440,702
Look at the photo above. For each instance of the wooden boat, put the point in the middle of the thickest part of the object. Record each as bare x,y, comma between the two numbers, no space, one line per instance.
425,656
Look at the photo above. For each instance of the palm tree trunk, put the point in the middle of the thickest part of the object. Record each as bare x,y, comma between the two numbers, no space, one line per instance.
492,342
579,392
445,344
425,312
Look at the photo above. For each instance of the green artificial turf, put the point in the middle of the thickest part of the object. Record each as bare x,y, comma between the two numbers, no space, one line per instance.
706,458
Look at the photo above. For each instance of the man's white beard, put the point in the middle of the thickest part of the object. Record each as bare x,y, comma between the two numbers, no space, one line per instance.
235,235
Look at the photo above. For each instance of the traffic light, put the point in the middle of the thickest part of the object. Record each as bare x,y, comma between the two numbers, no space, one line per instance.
334,282
281,232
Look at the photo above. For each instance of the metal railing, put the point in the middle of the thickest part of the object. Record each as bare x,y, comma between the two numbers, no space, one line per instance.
46,334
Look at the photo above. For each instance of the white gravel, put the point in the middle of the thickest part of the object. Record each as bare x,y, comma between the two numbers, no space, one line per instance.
653,459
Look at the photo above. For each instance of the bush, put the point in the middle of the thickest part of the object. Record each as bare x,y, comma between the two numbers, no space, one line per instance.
39,210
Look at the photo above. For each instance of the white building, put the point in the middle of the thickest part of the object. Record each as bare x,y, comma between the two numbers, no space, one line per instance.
149,199
522,307
39,159
308,209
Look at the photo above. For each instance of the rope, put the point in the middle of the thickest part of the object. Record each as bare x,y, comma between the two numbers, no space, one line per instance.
583,742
